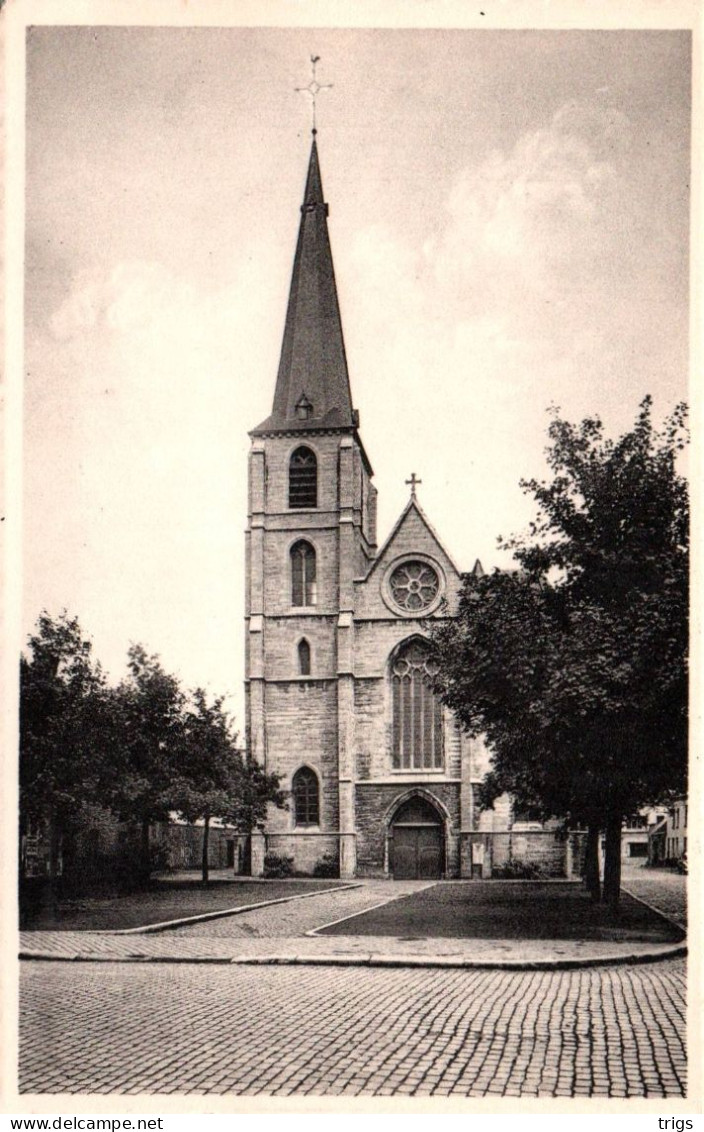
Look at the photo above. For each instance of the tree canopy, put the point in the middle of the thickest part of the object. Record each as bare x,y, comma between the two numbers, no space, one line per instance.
574,665
63,706
214,780
144,749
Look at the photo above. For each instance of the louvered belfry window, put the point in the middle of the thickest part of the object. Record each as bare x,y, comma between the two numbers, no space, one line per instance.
417,711
303,586
303,480
305,797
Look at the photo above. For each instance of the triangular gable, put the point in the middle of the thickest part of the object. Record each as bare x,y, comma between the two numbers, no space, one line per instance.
412,532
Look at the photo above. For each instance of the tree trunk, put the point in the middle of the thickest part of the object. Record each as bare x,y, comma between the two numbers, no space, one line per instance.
591,862
612,863
145,855
206,838
247,856
54,862
72,878
54,848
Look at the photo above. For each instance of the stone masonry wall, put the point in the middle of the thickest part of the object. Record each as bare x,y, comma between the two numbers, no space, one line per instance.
278,455
281,647
411,537
301,730
277,568
306,849
545,849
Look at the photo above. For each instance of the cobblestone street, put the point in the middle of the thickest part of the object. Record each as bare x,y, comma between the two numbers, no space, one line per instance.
108,1027
101,1028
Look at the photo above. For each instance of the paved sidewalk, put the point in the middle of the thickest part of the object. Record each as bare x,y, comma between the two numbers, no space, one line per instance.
352,951
662,889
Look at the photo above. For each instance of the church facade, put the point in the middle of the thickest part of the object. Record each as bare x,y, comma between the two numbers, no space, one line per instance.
379,775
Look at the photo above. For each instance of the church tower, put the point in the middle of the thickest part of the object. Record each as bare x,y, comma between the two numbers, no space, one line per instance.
311,531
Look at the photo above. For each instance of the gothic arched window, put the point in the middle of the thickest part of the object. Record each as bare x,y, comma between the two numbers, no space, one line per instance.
417,711
306,803
303,479
304,658
302,574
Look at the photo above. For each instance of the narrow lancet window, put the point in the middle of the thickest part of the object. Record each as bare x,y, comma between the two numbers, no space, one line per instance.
303,658
303,585
306,803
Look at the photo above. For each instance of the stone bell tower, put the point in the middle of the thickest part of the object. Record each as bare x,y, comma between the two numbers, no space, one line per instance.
311,531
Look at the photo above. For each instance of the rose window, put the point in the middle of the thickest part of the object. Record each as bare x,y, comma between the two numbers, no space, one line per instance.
414,586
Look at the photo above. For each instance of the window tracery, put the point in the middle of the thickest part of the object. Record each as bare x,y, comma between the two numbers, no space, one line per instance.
417,742
303,574
414,585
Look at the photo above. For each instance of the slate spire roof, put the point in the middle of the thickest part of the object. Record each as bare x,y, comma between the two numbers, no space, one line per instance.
312,387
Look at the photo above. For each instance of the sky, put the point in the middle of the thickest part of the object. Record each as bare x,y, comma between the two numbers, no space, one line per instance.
509,226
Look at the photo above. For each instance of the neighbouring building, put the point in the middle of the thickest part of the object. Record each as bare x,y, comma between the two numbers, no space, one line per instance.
676,830
667,840
637,831
338,703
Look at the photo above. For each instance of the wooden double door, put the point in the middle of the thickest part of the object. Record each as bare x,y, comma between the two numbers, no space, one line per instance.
418,852
417,841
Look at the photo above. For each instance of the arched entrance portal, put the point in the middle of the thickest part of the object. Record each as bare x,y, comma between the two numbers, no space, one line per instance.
417,841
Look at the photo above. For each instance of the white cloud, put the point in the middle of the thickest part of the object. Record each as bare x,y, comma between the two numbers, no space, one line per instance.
523,298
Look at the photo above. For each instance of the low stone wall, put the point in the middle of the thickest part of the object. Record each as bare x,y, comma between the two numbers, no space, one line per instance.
306,849
551,853
182,846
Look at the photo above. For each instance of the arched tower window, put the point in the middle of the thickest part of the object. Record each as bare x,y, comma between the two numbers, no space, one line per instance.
303,590
306,801
417,712
304,658
303,479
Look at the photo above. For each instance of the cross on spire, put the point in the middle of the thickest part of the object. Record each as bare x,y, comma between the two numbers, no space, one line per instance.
314,88
413,481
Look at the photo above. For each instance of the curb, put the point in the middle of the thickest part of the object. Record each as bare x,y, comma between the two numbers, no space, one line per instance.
166,925
676,951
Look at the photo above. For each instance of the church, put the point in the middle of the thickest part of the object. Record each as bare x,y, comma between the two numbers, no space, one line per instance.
380,777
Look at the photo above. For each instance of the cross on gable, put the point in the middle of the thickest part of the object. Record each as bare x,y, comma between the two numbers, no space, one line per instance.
413,481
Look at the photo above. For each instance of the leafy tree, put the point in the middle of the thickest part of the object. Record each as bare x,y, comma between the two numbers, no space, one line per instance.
575,666
257,789
65,759
150,706
141,749
210,771
213,780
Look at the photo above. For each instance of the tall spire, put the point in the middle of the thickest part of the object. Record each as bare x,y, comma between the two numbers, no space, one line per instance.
312,387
